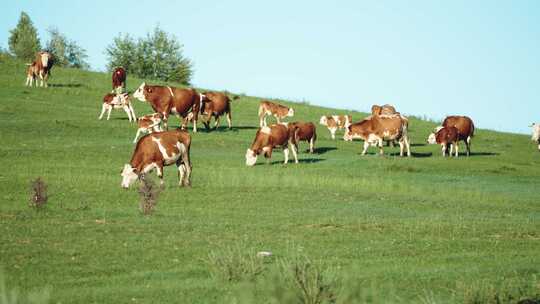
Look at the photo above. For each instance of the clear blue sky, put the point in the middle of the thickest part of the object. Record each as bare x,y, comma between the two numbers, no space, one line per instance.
433,58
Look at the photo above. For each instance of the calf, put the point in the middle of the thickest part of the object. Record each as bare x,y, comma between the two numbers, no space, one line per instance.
148,124
536,134
374,129
117,101
465,128
304,131
215,105
118,80
445,136
267,108
335,122
156,150
167,100
31,74
267,138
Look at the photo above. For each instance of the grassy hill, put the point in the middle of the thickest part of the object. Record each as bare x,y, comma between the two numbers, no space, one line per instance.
359,229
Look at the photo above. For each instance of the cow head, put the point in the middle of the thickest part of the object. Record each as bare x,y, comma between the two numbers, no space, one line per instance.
323,121
128,176
139,93
438,128
45,58
431,139
251,157
291,112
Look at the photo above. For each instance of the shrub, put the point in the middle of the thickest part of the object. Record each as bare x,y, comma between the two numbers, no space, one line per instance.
149,194
38,193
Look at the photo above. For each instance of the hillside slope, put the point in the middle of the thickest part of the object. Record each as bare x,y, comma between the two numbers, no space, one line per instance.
414,229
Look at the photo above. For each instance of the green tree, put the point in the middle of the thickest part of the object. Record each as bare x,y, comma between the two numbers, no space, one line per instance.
23,40
157,56
67,53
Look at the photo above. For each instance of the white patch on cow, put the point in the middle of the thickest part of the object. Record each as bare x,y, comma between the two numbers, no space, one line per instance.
267,149
139,93
149,168
336,119
291,112
128,176
373,139
170,91
386,133
174,110
438,128
266,130
323,121
432,139
45,59
251,157
286,124
167,159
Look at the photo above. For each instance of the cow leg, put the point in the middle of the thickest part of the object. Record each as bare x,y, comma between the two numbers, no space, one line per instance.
139,131
229,119
468,145
311,144
103,109
207,122
443,148
457,148
380,145
286,154
333,132
126,109
407,145
216,122
159,172
401,147
132,112
294,150
46,80
366,146
109,113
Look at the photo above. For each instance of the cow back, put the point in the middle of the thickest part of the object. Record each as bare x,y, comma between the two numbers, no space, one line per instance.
463,124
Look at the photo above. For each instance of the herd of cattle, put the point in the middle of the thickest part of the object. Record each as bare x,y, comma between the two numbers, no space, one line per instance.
166,147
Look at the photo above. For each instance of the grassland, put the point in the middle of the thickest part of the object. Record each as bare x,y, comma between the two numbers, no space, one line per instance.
378,229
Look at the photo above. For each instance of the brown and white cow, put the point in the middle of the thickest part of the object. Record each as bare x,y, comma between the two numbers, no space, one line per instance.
148,124
43,64
374,129
269,137
167,100
304,131
117,101
335,122
215,105
31,74
536,133
445,136
383,110
465,128
267,108
118,80
156,150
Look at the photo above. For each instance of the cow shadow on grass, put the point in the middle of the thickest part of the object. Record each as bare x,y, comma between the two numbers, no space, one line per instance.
418,145
65,85
322,150
413,154
226,129
479,153
291,162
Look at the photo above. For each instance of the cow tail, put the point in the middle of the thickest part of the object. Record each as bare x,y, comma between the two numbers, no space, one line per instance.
472,129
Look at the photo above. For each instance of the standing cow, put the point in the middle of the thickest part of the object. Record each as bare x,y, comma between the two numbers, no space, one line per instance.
267,108
40,67
374,129
148,124
465,127
335,122
304,131
156,150
119,80
536,134
267,138
117,101
167,100
445,136
215,105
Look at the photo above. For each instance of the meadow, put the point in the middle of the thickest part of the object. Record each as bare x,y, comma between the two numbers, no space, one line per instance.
343,228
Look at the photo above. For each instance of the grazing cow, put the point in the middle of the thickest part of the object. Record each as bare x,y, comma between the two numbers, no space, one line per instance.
536,134
118,80
465,128
215,105
31,74
148,124
156,150
304,131
267,108
166,100
383,110
117,101
267,138
374,129
445,136
335,122
43,65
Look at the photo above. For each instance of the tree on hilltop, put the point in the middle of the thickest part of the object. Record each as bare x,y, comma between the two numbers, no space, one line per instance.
23,40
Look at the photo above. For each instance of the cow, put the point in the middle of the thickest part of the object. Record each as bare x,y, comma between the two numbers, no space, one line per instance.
31,74
118,80
445,136
267,108
117,101
335,122
43,65
304,131
167,100
215,105
465,128
383,110
374,129
148,124
269,137
156,150
536,133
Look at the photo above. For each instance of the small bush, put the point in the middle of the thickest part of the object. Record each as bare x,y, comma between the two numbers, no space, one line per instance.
236,264
149,194
38,193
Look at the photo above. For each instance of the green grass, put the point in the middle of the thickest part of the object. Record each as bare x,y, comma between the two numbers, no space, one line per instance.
423,229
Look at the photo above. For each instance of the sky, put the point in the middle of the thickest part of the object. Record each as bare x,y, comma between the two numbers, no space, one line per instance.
427,58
